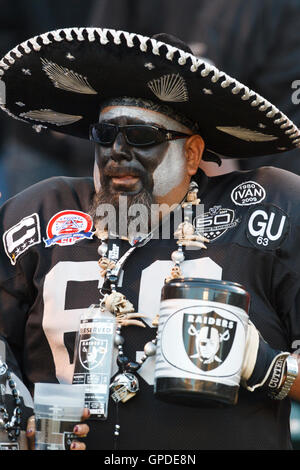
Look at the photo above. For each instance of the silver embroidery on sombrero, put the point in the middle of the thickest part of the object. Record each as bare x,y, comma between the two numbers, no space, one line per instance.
52,117
66,79
38,127
247,134
70,56
170,87
149,66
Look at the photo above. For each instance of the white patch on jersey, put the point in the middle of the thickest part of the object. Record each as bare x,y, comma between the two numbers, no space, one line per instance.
21,237
215,223
248,193
267,227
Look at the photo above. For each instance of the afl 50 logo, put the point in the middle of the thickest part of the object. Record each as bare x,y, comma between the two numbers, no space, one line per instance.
267,227
215,222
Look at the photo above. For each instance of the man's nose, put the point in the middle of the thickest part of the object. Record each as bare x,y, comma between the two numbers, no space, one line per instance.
120,149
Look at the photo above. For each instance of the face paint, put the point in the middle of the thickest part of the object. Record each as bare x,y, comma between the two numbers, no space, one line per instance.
146,115
161,167
170,172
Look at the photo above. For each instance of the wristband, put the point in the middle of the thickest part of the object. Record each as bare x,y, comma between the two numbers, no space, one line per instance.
291,374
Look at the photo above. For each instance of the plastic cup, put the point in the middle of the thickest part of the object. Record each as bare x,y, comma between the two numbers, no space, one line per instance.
57,408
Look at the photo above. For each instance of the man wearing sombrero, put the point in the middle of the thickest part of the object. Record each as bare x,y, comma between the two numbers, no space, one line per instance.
154,111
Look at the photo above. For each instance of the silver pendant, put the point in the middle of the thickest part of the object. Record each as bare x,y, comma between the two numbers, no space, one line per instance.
124,387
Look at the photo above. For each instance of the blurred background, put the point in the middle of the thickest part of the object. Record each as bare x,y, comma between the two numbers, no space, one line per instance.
257,42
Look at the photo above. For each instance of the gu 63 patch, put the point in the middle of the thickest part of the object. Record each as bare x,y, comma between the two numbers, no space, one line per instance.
68,227
21,237
248,193
267,226
215,222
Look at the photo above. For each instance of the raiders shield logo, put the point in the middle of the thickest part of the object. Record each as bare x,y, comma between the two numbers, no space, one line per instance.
92,352
208,339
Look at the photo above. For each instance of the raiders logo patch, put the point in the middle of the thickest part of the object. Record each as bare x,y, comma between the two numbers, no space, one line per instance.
68,227
248,193
214,223
267,227
21,237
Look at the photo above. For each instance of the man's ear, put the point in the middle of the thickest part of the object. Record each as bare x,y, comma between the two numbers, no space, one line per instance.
193,148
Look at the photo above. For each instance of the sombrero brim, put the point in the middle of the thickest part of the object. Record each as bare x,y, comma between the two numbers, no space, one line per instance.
59,80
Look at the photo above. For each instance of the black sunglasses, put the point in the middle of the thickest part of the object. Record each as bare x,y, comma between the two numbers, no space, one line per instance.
137,135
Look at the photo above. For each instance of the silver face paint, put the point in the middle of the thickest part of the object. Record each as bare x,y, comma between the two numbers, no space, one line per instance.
145,115
170,172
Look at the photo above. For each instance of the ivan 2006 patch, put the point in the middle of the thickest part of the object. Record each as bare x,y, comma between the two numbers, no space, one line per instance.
21,237
267,226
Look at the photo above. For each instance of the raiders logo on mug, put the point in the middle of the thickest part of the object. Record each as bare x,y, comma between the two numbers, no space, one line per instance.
201,341
209,338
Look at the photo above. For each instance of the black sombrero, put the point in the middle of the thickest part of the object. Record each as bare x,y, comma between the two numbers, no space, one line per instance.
59,80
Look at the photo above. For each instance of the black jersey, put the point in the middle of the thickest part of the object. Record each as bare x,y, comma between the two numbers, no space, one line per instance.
49,276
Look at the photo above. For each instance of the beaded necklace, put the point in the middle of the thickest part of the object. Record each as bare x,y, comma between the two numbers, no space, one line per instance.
11,425
125,384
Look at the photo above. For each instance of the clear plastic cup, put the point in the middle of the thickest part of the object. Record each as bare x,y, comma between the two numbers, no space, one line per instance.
57,408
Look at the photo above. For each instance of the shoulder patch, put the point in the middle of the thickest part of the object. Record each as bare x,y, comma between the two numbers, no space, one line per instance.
248,193
214,223
267,226
21,237
68,227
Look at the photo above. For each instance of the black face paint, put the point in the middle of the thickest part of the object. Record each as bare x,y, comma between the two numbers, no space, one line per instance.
125,169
